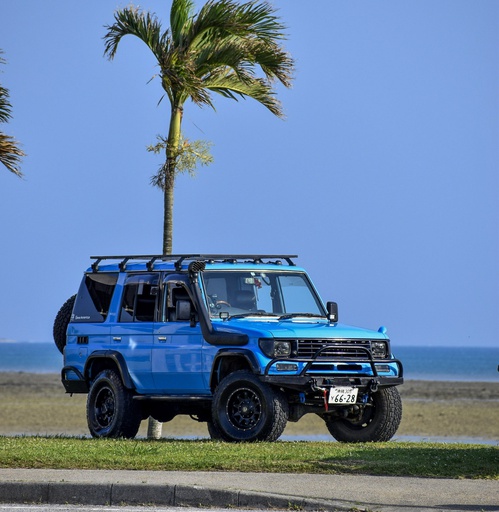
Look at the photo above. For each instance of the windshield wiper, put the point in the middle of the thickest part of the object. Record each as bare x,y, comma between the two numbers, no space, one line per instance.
252,313
295,315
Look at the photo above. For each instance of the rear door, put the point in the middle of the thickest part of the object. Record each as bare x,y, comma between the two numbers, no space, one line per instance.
133,331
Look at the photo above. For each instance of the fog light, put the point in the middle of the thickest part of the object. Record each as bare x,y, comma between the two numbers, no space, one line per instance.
383,368
284,367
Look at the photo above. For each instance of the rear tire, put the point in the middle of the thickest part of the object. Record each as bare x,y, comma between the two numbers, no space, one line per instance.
378,422
111,409
245,409
61,323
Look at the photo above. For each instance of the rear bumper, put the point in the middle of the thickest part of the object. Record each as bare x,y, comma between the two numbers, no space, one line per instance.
73,380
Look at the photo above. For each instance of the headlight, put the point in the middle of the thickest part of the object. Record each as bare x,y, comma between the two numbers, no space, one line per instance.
378,349
275,348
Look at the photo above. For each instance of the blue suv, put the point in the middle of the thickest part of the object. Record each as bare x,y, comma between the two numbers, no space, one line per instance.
241,342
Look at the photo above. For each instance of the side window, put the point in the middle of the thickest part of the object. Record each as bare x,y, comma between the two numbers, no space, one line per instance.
139,298
94,297
177,306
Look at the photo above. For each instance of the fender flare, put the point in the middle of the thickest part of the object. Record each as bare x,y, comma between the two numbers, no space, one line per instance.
117,358
226,353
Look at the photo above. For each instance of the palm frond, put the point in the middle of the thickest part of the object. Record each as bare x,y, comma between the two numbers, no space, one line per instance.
10,154
274,61
221,49
226,33
213,20
219,18
133,21
230,86
231,52
181,15
5,106
258,20
238,53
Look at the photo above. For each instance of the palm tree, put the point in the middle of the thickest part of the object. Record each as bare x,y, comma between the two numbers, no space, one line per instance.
10,154
227,48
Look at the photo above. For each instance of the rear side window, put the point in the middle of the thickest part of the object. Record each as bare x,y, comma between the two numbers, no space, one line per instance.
94,297
139,298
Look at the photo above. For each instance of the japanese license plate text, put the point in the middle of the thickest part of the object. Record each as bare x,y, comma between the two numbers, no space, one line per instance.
343,395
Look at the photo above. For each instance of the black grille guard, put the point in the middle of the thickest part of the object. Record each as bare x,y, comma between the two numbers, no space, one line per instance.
343,351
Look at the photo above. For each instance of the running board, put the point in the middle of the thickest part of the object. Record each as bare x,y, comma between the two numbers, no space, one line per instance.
174,398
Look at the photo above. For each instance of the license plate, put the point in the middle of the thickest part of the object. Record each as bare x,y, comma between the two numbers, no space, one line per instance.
343,395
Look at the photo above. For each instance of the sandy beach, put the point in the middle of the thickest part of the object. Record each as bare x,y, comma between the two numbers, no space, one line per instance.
37,404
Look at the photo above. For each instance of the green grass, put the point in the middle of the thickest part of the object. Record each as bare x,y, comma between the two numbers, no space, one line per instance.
400,459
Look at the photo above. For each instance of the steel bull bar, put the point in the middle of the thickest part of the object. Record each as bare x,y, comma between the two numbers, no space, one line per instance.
343,354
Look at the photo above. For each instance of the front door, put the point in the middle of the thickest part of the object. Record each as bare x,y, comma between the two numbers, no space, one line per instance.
177,360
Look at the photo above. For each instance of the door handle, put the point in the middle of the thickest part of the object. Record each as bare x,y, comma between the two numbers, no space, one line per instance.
116,338
161,338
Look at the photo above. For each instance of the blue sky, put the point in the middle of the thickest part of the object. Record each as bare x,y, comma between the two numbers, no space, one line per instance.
384,178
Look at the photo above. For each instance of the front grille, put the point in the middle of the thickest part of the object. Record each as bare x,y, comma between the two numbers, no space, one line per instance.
338,349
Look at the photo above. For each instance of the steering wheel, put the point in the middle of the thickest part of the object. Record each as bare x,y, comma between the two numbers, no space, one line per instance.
222,302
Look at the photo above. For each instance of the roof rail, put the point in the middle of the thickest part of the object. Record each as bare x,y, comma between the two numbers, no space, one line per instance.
180,258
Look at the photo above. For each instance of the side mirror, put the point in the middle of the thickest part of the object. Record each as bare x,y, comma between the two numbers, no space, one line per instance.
332,312
183,310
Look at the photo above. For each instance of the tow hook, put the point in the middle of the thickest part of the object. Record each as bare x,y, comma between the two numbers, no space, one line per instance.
373,386
323,391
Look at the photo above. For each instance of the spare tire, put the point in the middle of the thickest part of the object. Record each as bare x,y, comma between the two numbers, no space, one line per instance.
61,323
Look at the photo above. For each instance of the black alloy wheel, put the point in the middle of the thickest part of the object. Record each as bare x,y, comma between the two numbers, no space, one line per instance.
111,410
245,409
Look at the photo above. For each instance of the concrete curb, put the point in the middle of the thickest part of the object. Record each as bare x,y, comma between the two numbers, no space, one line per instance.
264,491
153,494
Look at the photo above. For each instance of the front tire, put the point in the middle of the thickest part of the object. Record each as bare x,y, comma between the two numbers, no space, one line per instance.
111,410
245,409
379,420
214,432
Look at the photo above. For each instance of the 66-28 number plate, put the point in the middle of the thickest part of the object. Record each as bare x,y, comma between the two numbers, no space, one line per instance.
342,395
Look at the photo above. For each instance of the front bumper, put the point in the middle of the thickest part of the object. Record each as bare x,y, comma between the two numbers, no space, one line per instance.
305,374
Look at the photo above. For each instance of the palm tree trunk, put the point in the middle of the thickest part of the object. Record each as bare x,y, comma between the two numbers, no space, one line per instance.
171,163
168,221
154,428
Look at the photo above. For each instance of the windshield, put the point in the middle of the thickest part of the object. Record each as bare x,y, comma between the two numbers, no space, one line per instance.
234,293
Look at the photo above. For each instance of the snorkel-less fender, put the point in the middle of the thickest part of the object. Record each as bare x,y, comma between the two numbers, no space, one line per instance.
212,336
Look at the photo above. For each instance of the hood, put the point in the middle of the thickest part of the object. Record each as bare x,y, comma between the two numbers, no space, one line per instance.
298,328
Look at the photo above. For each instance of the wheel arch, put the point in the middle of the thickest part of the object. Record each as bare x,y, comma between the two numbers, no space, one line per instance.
101,360
230,360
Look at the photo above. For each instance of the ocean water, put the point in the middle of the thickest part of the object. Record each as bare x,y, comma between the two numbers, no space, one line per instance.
420,363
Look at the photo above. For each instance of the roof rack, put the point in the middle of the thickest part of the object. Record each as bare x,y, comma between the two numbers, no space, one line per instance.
180,258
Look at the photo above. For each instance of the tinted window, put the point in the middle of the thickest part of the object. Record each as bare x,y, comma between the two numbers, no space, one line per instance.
94,298
139,298
174,294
